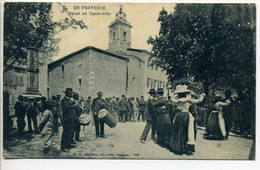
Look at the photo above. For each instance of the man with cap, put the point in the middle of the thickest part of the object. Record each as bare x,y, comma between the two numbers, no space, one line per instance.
68,110
20,114
150,118
98,104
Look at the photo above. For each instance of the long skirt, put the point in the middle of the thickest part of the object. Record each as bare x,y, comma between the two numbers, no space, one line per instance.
216,125
182,138
163,129
47,139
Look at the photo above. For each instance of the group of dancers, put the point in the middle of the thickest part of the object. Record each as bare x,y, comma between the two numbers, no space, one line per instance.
177,134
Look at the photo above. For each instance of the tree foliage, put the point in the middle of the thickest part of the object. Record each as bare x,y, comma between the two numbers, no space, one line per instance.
18,26
208,42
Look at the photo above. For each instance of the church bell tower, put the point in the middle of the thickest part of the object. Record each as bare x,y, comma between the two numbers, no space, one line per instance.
120,32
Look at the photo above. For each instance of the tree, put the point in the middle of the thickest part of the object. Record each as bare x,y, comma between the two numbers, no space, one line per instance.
18,25
208,42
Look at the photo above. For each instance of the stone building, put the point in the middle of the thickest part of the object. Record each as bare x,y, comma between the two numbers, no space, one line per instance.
118,70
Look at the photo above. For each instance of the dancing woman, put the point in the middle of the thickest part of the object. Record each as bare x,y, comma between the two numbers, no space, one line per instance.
216,123
182,139
163,119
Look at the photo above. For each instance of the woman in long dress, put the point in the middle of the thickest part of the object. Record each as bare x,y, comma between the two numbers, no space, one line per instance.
216,123
182,139
163,119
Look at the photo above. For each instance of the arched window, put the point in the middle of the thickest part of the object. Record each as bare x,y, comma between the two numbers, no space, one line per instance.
62,70
124,36
114,36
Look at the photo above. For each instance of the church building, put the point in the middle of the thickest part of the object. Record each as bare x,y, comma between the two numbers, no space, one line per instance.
118,70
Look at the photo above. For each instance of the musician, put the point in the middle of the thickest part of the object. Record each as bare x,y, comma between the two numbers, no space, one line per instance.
68,110
78,111
98,104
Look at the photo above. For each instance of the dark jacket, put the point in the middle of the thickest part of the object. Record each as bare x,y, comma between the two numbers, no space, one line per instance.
141,104
123,105
68,109
149,112
97,105
159,106
19,110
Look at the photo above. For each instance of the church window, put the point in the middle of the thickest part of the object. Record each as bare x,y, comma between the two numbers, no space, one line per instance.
139,64
16,80
124,36
151,83
148,82
155,82
62,71
21,81
163,84
79,82
114,36
148,63
133,79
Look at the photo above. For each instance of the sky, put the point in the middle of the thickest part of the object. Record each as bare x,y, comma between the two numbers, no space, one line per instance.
143,18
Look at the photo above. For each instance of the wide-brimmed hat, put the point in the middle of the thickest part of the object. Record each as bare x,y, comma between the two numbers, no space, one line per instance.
181,89
100,93
160,90
20,97
68,90
152,91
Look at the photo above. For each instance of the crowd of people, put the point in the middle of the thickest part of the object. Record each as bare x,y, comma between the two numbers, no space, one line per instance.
173,121
48,114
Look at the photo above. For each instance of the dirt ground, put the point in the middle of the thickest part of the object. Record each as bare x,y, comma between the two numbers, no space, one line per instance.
122,142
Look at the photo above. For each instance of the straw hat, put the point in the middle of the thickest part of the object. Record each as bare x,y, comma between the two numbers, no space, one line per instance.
181,89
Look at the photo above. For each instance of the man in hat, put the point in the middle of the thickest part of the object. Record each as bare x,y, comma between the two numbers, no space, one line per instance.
20,114
123,108
98,104
150,118
68,110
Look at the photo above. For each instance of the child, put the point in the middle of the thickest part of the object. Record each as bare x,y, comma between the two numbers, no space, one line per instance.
47,125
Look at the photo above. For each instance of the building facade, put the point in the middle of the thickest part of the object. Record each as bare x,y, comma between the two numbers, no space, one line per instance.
118,70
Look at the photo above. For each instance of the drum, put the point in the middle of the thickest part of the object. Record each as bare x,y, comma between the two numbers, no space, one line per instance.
107,117
85,119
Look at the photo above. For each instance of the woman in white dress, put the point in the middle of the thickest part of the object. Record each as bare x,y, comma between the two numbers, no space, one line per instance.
182,140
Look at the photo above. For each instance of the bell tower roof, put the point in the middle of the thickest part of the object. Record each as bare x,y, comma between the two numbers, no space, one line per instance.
120,18
120,32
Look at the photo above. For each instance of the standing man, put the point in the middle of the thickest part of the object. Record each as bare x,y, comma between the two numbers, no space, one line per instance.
68,110
78,111
98,104
20,114
150,118
135,106
116,108
141,108
32,112
123,107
